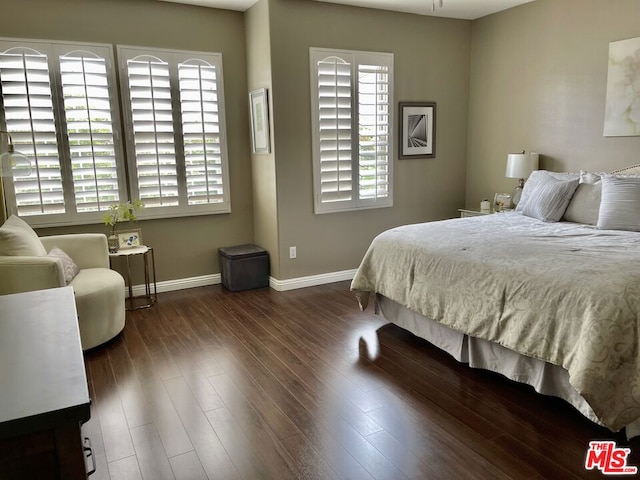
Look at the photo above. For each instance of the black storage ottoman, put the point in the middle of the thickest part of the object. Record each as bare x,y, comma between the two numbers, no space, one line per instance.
244,267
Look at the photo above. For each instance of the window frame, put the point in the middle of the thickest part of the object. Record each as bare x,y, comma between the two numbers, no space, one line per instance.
54,50
355,58
174,57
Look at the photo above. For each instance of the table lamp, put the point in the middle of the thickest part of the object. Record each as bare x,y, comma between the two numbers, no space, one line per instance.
12,164
520,166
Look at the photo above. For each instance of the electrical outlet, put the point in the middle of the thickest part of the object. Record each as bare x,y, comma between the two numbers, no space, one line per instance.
292,252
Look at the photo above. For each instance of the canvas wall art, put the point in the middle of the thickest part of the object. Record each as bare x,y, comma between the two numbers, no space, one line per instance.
622,114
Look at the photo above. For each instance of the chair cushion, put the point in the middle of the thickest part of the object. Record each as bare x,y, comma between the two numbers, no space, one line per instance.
96,281
18,238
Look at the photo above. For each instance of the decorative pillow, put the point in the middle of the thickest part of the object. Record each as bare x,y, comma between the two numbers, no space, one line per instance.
620,204
548,199
18,238
69,268
540,176
585,203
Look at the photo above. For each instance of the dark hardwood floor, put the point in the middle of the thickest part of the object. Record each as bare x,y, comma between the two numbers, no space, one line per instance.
302,385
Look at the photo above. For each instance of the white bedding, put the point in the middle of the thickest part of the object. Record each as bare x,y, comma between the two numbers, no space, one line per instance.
564,293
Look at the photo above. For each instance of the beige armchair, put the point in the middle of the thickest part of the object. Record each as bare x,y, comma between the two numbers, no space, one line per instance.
99,291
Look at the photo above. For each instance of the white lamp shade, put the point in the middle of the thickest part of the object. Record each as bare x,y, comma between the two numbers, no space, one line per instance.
520,165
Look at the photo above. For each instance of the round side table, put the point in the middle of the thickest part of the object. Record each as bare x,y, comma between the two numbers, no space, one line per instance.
150,297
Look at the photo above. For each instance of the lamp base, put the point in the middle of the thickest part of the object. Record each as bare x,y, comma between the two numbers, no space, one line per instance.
517,193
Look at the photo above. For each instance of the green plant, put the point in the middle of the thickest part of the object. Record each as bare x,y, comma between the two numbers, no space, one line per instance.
121,212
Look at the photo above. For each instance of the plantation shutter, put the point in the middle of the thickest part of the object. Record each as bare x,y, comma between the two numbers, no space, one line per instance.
90,132
152,126
58,105
29,117
373,144
175,109
335,135
352,128
199,105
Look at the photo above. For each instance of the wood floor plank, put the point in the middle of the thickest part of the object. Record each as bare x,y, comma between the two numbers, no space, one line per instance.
214,458
303,385
125,469
113,423
170,428
133,403
246,452
152,458
243,392
187,467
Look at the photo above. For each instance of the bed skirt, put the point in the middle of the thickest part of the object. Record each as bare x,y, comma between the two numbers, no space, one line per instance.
544,377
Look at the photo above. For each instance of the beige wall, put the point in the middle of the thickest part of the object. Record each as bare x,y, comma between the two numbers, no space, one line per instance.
184,247
263,166
431,64
538,82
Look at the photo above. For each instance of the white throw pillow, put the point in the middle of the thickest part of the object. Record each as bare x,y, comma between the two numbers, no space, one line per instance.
620,204
18,238
548,199
585,203
69,267
540,176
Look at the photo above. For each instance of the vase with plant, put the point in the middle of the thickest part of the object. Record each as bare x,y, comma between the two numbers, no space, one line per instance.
119,212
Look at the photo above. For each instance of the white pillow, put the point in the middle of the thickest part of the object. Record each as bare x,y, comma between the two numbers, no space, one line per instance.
18,238
620,204
549,197
537,177
585,203
69,267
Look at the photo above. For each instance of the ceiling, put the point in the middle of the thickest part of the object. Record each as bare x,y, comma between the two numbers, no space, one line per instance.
464,9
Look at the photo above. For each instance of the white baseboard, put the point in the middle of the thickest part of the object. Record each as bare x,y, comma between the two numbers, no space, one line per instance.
310,281
279,285
180,284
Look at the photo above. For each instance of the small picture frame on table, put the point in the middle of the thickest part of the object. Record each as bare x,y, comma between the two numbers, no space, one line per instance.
501,202
131,238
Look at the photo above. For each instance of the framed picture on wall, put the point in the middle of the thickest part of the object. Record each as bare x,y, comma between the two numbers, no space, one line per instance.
258,101
417,130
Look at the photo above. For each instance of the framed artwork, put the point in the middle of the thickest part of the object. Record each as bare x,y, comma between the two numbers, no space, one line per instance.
417,130
260,141
129,238
622,110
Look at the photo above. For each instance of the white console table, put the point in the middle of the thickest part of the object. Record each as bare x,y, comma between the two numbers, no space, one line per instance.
43,395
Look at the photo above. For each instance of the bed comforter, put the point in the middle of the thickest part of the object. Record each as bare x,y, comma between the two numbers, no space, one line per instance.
565,293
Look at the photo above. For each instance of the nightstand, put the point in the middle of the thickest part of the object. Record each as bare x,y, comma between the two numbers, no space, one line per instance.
465,212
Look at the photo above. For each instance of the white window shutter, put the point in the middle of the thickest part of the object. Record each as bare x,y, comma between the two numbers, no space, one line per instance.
373,119
175,108
89,124
335,129
29,116
200,114
59,105
153,134
352,129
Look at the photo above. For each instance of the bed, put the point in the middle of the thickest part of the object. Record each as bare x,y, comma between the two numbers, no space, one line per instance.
528,294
